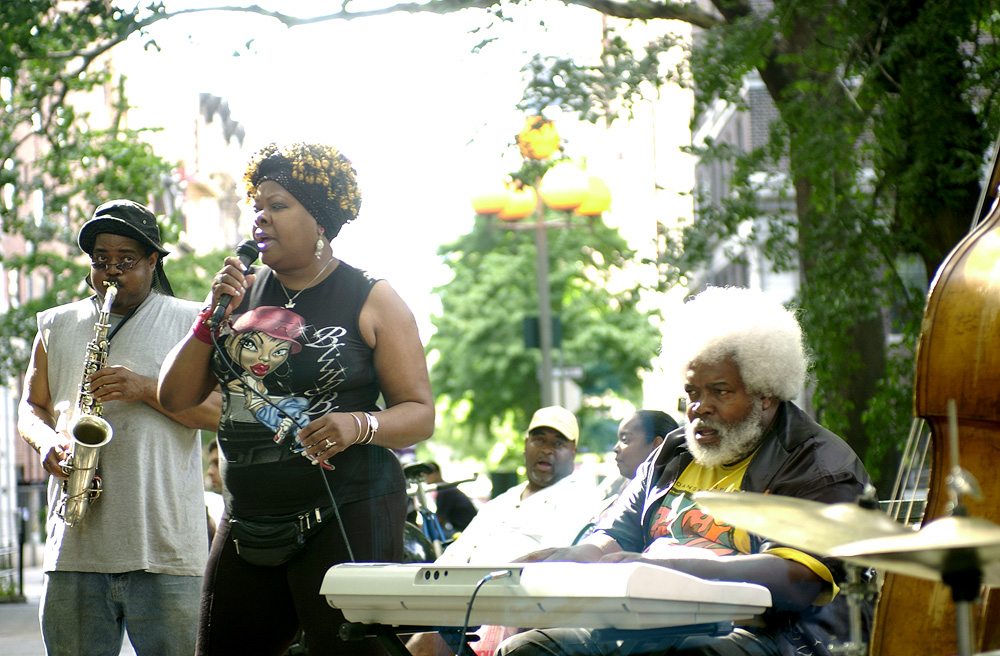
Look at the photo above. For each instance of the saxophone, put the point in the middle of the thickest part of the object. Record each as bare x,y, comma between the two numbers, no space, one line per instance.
88,429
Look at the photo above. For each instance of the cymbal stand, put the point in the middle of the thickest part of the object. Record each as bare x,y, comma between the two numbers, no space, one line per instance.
964,584
856,591
964,592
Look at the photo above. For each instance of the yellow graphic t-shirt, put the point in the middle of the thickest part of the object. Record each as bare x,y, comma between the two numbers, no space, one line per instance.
679,521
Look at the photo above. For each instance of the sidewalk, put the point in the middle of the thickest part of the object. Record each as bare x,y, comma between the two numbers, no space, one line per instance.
20,634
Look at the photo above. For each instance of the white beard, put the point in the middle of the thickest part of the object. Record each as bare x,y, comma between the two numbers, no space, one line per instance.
736,440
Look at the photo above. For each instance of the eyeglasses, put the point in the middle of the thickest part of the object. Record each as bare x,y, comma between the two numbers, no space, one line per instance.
101,263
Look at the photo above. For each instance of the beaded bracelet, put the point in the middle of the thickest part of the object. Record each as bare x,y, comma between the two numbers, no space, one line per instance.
200,329
357,420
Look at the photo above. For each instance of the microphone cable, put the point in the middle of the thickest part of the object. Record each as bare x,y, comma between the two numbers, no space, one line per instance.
499,574
333,501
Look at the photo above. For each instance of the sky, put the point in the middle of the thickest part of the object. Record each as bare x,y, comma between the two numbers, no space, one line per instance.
425,121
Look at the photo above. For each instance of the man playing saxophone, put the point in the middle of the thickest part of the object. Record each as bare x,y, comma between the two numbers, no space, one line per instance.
133,560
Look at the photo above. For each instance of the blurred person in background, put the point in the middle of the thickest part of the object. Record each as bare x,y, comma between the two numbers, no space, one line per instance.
215,504
638,436
454,509
549,509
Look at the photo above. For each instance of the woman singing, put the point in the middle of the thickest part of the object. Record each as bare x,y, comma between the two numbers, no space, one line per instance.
308,346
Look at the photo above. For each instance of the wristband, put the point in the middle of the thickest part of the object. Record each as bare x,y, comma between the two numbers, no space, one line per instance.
200,328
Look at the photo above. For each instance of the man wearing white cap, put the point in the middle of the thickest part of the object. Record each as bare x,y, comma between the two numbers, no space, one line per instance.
548,509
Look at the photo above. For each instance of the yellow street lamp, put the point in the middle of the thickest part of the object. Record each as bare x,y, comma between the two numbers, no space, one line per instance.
598,198
564,187
491,200
538,139
521,201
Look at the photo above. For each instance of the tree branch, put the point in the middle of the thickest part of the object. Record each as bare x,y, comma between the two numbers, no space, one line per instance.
688,12
432,7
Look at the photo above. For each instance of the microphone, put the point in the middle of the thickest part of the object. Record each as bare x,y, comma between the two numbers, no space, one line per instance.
247,251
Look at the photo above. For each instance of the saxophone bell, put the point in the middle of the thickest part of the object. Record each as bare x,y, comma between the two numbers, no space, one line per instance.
89,433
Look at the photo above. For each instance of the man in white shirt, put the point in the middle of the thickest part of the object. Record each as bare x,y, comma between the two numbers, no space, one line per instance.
547,510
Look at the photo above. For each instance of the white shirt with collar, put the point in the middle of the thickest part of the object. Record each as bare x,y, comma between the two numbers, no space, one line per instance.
508,527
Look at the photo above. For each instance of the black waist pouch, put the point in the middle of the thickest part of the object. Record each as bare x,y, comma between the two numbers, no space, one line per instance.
273,540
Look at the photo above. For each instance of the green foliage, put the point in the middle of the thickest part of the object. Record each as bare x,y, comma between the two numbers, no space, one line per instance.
483,369
884,114
46,145
17,326
722,57
50,151
602,90
190,275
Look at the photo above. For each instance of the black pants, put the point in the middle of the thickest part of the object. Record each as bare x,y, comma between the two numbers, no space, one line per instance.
579,642
248,609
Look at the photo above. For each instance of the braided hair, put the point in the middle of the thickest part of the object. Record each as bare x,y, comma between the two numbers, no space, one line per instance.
320,177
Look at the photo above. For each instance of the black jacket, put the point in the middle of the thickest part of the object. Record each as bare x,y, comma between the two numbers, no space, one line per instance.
798,458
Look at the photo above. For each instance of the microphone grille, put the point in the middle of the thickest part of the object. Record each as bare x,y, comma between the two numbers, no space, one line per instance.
248,251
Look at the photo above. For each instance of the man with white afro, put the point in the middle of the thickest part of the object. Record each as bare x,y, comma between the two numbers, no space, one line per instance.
747,333
743,363
759,333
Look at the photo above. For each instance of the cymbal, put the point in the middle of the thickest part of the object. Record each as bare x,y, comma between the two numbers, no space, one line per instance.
943,545
799,523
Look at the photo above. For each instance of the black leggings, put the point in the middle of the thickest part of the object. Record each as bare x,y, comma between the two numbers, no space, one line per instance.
248,609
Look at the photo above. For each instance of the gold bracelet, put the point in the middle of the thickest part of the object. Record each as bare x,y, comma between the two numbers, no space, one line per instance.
372,428
357,420
368,430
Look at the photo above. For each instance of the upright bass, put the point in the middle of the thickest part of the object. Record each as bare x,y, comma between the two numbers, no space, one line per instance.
958,358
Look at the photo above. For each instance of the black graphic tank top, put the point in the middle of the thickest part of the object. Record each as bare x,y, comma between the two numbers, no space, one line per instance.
282,368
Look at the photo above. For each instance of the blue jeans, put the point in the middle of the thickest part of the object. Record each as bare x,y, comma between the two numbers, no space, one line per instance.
86,613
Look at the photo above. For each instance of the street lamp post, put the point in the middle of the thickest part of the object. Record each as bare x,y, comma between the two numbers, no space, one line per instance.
564,187
544,302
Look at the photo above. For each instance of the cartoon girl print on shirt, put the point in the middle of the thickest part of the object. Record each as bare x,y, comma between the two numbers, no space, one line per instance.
262,341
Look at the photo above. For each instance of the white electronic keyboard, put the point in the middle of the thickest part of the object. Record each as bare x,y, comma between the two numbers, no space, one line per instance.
549,594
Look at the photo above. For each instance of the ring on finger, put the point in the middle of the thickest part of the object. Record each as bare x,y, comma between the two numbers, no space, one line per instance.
329,444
